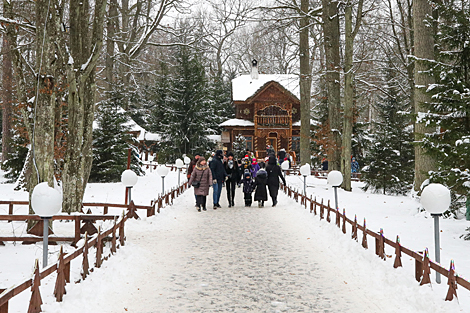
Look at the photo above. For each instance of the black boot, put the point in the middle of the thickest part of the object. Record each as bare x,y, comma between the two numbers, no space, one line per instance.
229,204
204,208
274,202
199,208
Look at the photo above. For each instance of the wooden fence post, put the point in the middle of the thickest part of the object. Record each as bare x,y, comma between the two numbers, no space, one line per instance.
85,265
328,219
105,210
344,221
121,232
380,245
364,236
132,211
397,262
10,210
452,282
418,268
4,307
59,289
312,205
321,209
338,221
426,269
354,228
113,240
99,249
36,301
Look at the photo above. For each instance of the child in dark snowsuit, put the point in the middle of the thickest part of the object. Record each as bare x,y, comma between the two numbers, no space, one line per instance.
261,180
248,187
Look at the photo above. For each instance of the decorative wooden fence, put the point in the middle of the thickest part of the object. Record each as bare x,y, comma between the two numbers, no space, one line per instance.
115,234
423,265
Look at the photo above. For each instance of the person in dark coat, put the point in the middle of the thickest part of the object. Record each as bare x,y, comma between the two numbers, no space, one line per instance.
233,178
261,181
248,187
218,176
324,164
274,173
281,155
203,175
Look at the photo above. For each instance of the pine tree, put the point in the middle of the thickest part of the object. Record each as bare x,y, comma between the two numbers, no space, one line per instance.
390,159
450,109
188,114
111,142
239,146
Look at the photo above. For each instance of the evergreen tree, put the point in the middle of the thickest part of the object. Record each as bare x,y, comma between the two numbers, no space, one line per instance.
239,146
188,113
450,109
112,139
390,166
16,158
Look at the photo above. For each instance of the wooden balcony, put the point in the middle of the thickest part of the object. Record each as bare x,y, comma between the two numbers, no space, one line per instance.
272,120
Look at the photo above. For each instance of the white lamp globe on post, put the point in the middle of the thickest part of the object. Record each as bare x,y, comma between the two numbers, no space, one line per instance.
179,164
162,170
285,167
335,179
46,203
435,199
187,160
305,171
129,179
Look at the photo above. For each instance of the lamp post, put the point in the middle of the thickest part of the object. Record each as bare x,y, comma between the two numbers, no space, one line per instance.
129,179
162,170
285,167
187,160
46,203
305,171
435,199
179,164
335,178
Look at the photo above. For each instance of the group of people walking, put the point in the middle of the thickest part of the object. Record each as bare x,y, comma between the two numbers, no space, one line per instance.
254,176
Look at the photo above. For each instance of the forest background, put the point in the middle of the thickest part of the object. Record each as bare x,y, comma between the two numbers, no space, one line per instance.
385,81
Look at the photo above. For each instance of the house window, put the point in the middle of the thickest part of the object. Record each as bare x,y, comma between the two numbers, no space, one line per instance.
295,143
249,142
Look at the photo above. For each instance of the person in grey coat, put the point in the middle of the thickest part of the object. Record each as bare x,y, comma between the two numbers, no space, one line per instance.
202,174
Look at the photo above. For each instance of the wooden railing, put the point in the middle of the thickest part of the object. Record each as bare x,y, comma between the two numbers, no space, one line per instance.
273,120
423,265
62,267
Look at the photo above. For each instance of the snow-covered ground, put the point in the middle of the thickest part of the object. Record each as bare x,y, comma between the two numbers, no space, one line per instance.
210,259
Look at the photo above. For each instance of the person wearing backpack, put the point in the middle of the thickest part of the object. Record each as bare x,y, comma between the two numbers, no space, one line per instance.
261,181
201,180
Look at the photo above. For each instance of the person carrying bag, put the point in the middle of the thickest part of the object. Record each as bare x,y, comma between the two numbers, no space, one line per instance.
201,179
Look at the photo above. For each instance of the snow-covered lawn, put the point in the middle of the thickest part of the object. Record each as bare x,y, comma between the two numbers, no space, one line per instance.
396,215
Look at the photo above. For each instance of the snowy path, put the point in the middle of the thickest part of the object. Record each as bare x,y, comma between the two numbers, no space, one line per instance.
236,260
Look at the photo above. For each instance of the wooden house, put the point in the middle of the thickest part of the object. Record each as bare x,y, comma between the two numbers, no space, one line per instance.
267,113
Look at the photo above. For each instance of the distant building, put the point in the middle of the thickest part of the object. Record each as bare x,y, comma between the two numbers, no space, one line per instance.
267,112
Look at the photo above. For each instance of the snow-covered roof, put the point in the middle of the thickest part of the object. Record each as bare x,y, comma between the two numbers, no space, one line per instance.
215,138
134,127
244,86
237,122
312,122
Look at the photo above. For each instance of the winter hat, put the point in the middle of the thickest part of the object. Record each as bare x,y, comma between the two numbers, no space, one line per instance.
200,160
253,161
246,156
247,174
230,154
272,160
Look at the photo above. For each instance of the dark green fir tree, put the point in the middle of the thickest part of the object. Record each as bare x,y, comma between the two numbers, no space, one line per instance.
450,109
188,114
111,141
390,160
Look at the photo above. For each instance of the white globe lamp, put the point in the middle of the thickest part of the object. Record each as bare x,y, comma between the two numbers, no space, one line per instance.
305,171
179,164
162,170
435,199
46,202
129,179
335,178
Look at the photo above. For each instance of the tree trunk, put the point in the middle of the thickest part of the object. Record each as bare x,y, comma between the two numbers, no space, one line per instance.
45,101
7,80
305,85
348,91
110,30
84,48
331,42
424,50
